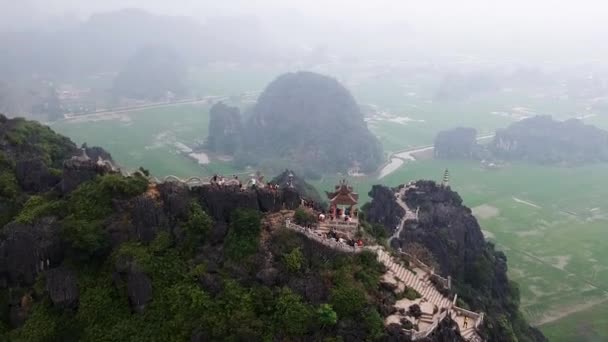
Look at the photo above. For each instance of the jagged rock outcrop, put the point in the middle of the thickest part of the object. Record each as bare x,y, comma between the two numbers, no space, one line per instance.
225,129
79,170
62,285
220,201
138,284
310,121
383,209
445,227
28,249
176,199
307,191
148,217
34,175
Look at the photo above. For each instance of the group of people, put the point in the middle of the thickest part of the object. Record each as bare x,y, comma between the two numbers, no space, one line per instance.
350,242
221,180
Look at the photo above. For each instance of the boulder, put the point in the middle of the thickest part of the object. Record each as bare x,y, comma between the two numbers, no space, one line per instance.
28,249
148,217
62,285
139,285
139,289
176,200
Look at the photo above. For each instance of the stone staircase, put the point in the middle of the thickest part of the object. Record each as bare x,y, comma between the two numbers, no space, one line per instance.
419,282
416,279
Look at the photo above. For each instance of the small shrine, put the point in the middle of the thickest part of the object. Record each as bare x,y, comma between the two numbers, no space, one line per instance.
342,213
343,202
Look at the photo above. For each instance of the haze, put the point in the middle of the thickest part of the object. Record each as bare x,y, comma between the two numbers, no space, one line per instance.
522,30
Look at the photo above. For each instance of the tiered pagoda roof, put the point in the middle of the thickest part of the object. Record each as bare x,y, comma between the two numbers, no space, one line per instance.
344,195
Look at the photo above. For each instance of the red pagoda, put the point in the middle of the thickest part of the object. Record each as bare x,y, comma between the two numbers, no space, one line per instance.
343,202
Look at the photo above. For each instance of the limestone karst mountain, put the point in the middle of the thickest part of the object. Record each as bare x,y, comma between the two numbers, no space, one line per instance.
310,121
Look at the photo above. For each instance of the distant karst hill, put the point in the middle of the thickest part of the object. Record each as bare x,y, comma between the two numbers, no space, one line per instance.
544,140
152,73
458,143
539,139
310,121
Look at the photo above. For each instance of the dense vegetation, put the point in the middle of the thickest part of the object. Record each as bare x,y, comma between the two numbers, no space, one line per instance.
312,122
542,139
118,259
152,73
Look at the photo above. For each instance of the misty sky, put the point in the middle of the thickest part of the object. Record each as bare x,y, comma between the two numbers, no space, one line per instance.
544,25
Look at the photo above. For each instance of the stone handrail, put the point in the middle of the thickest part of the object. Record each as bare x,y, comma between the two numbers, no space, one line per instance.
327,242
465,312
477,317
445,282
430,329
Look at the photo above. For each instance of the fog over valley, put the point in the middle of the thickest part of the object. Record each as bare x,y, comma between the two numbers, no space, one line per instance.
303,170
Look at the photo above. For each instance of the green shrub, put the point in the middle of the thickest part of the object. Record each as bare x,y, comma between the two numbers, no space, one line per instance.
9,188
409,293
348,300
291,315
86,238
197,227
294,260
326,315
41,325
304,218
243,234
38,206
374,324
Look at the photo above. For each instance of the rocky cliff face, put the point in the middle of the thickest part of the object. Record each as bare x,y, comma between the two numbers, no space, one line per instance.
220,202
448,230
383,209
225,129
445,227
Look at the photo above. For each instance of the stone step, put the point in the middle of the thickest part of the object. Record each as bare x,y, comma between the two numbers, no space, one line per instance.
468,333
427,319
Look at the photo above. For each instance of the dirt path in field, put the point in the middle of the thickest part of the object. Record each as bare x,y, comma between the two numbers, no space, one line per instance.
565,312
526,203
